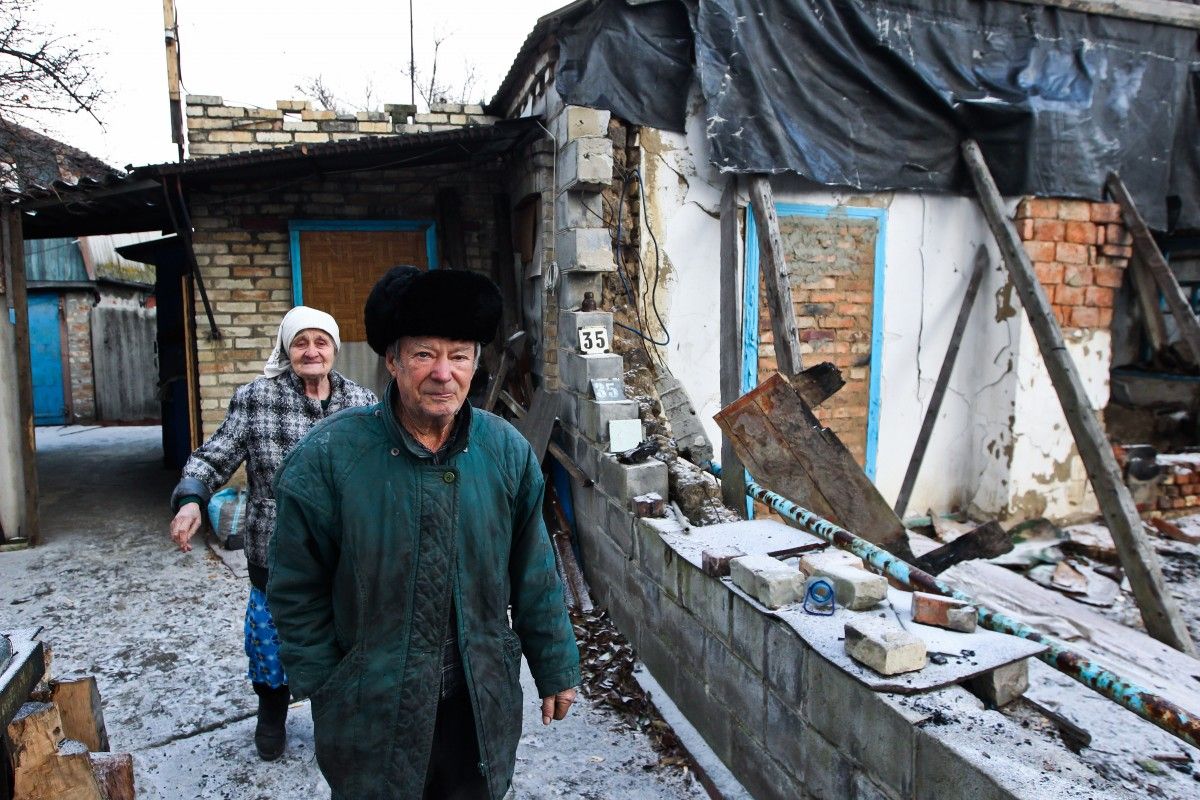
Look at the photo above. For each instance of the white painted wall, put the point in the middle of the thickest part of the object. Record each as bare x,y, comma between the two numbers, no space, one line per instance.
12,485
1000,432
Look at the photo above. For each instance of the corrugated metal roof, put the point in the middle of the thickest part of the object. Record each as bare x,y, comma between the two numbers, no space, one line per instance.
135,201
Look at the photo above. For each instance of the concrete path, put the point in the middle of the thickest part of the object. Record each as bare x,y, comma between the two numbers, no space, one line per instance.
162,632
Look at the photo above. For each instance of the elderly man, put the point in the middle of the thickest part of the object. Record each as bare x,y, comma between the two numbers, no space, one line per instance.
404,533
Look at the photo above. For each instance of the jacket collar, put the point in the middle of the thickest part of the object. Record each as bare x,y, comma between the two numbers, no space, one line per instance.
459,436
337,388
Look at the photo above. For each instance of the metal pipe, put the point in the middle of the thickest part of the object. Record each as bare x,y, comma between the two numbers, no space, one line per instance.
1147,705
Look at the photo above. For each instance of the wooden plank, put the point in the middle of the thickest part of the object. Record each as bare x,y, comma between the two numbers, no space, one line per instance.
191,372
818,383
82,713
538,422
787,451
1147,299
15,249
987,541
775,277
504,273
450,229
1138,558
733,474
1152,259
1165,12
943,381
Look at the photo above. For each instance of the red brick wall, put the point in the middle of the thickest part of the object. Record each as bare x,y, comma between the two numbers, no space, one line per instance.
1079,250
77,308
832,266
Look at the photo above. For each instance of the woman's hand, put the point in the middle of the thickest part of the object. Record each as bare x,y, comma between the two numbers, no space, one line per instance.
186,522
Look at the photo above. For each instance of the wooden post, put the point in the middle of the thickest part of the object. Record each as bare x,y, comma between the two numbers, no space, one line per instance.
1147,299
1146,249
943,381
1138,558
775,276
14,249
450,229
171,39
733,474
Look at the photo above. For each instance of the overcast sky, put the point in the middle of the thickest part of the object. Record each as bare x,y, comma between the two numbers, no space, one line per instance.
254,52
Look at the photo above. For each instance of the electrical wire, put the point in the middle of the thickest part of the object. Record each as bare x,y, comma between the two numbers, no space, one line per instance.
625,283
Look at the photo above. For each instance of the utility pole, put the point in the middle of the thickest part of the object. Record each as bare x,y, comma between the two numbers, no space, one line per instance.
412,59
171,37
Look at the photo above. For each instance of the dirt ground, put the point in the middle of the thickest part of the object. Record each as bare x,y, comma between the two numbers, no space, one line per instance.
162,632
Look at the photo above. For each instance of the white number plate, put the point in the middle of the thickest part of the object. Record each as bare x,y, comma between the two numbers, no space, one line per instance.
593,339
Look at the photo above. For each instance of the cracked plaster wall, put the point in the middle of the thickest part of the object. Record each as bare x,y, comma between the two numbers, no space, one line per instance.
996,448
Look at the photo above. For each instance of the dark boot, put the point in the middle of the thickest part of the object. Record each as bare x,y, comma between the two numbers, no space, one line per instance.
270,734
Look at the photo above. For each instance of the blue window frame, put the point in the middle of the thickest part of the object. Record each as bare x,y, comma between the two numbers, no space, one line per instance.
750,307
296,227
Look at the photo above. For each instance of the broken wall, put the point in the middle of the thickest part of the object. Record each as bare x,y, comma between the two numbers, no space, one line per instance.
1000,440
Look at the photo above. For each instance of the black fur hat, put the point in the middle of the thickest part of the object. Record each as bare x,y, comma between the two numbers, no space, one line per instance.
450,303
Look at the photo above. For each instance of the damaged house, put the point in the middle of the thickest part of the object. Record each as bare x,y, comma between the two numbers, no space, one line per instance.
688,204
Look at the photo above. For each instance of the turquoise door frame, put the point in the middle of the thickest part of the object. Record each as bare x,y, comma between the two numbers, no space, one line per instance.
750,307
46,362
296,226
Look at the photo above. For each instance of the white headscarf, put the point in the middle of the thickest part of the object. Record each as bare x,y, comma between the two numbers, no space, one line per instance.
299,319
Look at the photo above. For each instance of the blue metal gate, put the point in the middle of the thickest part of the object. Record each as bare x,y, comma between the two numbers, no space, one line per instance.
45,351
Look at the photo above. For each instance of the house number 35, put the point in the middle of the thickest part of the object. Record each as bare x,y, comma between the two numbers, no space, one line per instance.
593,339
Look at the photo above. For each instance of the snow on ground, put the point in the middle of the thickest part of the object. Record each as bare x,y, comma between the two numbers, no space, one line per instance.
162,632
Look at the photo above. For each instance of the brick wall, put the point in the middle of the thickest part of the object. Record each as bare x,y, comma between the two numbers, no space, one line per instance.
1079,250
215,129
832,271
77,309
242,248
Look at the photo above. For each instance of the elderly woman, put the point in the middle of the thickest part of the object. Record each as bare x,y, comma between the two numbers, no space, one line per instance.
267,418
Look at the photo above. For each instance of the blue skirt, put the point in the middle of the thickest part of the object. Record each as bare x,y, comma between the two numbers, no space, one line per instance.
262,643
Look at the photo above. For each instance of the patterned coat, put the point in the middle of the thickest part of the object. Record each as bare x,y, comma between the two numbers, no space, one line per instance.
375,544
267,418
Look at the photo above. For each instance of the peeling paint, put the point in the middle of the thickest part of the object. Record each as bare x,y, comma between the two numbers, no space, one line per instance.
1004,305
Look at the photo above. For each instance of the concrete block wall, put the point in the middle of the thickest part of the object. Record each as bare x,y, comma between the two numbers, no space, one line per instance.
77,309
216,129
242,247
788,723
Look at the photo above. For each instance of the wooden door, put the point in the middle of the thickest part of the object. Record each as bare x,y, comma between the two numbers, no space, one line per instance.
338,269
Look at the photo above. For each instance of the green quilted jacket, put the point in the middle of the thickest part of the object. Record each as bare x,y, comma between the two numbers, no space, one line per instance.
372,540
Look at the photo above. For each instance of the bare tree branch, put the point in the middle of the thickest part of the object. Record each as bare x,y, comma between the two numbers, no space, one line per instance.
316,90
40,72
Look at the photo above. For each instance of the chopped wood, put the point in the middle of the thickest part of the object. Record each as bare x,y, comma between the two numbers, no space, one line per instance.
987,541
82,715
1158,608
788,451
67,775
114,773
34,734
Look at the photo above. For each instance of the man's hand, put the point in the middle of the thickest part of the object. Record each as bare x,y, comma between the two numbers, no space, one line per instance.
556,707
186,522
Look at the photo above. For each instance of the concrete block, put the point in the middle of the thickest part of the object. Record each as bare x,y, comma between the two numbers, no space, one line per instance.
683,632
714,561
786,655
623,482
747,631
204,100
709,716
811,562
576,371
573,285
856,588
293,105
656,558
585,164
1002,685
884,647
578,121
944,612
578,210
584,249
594,418
706,598
767,580
569,323
761,775
619,525
731,681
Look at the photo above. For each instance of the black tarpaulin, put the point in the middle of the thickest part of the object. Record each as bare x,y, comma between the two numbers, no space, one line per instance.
879,95
635,61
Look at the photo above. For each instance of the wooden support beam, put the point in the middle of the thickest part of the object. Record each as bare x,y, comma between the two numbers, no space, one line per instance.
14,254
733,474
789,452
1138,558
987,541
775,277
1152,259
943,381
1147,299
